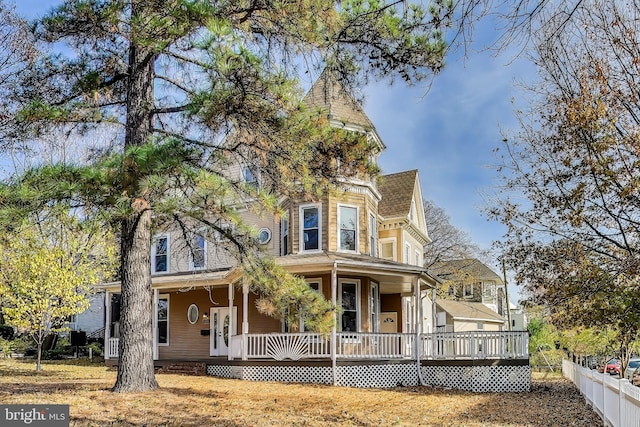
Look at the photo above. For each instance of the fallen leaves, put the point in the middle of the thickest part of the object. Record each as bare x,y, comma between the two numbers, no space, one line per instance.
197,401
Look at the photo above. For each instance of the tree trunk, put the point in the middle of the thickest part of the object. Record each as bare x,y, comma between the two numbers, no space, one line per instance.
135,366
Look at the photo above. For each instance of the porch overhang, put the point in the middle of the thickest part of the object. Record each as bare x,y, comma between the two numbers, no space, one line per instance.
393,277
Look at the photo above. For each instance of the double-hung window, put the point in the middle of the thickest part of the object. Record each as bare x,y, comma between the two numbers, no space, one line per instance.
348,232
349,291
198,252
163,319
284,235
160,254
310,228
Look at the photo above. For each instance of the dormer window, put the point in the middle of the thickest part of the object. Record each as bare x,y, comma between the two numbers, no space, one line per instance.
348,232
310,228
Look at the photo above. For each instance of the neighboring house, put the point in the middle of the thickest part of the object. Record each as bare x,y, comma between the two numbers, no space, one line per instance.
518,318
464,316
362,249
92,319
472,281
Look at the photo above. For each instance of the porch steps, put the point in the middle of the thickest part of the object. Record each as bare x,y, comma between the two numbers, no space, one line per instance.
184,368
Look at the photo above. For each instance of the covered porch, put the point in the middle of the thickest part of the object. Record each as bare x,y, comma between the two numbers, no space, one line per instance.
383,334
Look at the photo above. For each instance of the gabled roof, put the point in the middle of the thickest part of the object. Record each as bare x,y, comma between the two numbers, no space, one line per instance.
474,311
329,95
397,193
459,268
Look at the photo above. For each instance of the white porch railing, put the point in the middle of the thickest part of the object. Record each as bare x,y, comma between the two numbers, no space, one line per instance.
475,345
374,346
353,345
287,346
111,348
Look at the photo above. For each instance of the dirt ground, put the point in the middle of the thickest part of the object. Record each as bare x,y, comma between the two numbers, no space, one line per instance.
208,401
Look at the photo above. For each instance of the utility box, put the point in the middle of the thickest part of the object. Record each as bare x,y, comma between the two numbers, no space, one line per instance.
78,338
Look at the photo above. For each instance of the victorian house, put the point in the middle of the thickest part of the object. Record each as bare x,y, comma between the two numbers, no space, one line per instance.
361,249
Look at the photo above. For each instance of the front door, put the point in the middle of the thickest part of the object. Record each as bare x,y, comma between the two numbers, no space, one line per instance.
221,329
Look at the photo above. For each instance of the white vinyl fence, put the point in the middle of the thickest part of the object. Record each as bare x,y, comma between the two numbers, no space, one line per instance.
616,401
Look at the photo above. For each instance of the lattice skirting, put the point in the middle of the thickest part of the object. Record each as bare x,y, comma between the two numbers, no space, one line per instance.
378,376
469,378
479,378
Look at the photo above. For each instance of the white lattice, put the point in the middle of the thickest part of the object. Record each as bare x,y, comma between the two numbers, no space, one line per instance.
378,376
289,374
470,378
479,378
219,371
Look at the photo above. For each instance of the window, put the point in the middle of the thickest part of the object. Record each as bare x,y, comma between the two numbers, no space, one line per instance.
417,257
373,235
452,291
193,314
349,292
198,252
284,235
408,315
374,306
310,228
407,251
316,285
160,254
163,319
250,176
348,235
468,290
388,249
264,236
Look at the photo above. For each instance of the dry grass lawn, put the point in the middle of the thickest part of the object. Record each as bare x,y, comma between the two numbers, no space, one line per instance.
208,401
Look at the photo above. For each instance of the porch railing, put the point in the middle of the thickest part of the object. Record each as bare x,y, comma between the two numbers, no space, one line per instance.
287,346
475,345
352,345
111,350
375,346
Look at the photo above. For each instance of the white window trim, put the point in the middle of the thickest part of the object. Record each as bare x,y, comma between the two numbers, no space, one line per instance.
192,267
301,227
254,173
357,229
373,235
284,249
153,253
464,290
407,251
358,302
417,256
394,246
301,327
168,298
374,307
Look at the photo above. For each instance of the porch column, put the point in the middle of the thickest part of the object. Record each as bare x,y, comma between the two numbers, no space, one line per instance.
155,324
417,309
230,352
245,318
334,301
107,324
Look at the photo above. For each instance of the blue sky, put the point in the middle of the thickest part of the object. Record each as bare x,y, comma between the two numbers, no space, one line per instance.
447,133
